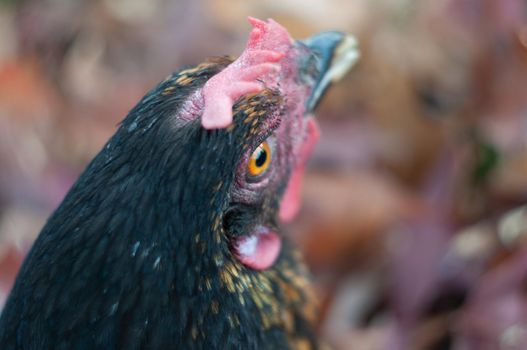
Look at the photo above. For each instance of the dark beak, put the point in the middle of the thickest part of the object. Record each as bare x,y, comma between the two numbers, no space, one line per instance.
333,54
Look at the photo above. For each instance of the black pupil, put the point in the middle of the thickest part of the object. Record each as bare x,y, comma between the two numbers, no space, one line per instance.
261,157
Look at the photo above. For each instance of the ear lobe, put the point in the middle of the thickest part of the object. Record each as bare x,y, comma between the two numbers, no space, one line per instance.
259,250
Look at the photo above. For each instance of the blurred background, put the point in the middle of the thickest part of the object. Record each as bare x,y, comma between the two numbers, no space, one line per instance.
413,220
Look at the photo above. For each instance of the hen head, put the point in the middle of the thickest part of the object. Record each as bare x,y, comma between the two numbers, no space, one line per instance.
171,236
280,81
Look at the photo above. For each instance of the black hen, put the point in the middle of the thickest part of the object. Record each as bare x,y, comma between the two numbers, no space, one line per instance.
170,238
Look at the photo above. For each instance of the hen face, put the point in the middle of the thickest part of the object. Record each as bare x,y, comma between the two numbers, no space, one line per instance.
269,176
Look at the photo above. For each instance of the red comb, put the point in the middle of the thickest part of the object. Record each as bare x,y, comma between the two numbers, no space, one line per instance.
268,43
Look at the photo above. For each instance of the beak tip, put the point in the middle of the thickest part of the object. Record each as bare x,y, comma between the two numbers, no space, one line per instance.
337,52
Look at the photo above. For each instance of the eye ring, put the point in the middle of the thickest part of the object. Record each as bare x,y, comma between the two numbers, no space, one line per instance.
259,160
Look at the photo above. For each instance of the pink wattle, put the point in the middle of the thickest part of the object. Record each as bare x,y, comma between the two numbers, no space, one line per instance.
258,251
290,204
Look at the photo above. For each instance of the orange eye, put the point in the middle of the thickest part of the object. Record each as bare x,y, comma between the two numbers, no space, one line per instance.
260,159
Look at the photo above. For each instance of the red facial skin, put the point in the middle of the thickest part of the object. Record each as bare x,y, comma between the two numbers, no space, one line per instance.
266,244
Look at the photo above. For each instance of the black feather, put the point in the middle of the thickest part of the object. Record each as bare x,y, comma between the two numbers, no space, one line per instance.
130,259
